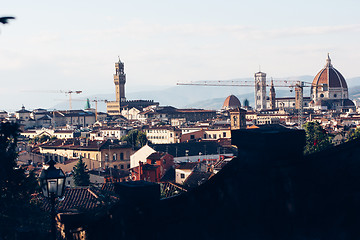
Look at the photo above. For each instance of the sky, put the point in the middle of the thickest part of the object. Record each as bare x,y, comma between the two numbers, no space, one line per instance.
55,46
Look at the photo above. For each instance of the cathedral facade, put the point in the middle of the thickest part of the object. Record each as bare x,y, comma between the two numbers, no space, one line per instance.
329,92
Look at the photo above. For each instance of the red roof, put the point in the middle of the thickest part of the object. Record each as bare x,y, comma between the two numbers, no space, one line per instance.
330,76
76,199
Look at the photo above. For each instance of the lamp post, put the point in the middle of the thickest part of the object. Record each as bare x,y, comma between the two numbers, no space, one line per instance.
52,183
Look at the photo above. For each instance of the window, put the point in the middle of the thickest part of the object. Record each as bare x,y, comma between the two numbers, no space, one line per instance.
114,157
321,95
88,155
122,166
192,136
234,120
335,95
182,175
121,156
224,134
106,157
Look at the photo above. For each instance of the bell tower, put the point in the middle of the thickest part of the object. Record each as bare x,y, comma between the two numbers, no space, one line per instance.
260,91
120,80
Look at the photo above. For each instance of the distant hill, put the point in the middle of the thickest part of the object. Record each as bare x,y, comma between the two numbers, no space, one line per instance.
208,97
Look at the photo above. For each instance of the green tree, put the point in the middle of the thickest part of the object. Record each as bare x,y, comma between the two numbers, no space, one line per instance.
42,138
353,134
16,188
246,103
81,175
136,138
317,138
53,138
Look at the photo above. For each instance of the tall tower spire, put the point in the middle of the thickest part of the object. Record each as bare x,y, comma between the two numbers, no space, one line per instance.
272,96
120,80
260,91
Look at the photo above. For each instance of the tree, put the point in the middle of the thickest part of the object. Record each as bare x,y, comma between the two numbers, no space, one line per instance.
16,188
353,134
136,138
81,175
246,103
42,138
317,138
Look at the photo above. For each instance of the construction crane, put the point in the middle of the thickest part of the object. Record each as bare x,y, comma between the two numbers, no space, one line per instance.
70,92
56,91
96,101
292,84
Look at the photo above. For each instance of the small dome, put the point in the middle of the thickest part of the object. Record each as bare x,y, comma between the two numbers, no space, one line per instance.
231,102
348,103
330,76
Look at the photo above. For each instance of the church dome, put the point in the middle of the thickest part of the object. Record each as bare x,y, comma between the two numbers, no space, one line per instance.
329,76
231,102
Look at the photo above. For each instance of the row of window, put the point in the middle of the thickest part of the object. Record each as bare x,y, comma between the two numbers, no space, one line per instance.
122,166
335,95
214,135
157,131
114,157
157,137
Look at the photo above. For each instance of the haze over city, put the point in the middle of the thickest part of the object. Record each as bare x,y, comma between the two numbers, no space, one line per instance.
71,45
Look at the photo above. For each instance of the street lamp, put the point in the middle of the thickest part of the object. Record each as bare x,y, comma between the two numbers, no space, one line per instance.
52,183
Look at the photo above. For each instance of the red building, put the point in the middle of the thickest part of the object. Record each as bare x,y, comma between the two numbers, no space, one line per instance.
155,167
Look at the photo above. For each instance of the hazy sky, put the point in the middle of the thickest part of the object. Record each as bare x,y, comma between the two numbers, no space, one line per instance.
73,45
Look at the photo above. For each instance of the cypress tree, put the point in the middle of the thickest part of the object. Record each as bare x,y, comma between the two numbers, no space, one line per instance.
81,175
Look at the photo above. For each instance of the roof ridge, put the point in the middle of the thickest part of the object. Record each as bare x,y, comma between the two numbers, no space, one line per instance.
92,193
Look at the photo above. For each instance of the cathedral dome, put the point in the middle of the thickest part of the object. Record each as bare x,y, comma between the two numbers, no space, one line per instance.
231,102
329,76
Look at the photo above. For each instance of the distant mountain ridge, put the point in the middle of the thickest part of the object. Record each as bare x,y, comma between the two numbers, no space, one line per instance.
207,97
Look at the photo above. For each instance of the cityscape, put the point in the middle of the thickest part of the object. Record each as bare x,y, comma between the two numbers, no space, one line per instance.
279,159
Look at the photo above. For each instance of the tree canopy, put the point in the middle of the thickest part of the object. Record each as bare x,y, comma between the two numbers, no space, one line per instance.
136,138
246,103
81,175
42,138
16,188
353,134
317,138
